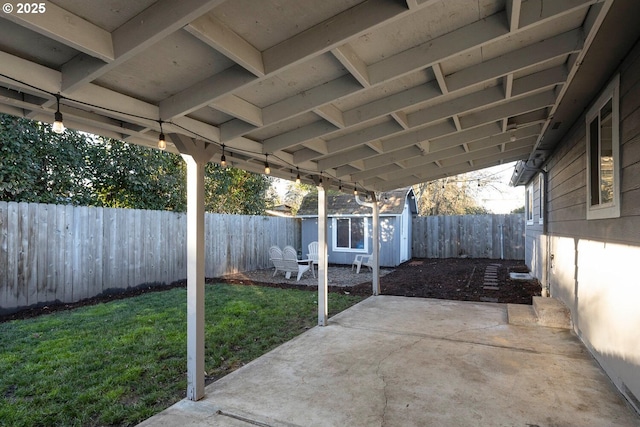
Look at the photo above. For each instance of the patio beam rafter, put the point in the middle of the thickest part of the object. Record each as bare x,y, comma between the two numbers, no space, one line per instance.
562,44
148,27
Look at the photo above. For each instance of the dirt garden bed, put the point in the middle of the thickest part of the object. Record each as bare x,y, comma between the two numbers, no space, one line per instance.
461,279
453,278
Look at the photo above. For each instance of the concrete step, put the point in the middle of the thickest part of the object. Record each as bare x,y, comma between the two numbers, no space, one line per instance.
521,315
548,312
552,312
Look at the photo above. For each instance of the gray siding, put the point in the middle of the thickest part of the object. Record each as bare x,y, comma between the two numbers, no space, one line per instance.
535,240
592,263
567,173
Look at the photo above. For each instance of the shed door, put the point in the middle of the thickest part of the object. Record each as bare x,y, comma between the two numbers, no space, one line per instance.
404,234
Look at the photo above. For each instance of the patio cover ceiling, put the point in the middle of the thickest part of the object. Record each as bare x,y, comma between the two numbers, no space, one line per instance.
382,93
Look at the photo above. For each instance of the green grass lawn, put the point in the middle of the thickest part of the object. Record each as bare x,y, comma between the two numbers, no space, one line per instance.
120,362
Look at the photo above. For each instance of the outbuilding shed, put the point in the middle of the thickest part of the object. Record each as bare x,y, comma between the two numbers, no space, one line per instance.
350,226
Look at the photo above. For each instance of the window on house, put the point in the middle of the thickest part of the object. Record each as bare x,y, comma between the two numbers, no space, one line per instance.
603,184
349,234
541,199
529,205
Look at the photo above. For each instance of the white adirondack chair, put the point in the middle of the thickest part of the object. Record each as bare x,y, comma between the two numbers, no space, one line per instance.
313,252
292,264
313,255
275,255
361,260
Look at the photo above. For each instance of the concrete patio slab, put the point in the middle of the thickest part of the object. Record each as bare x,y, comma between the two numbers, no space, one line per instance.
395,361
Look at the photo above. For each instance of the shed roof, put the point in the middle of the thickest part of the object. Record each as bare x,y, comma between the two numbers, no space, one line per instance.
389,203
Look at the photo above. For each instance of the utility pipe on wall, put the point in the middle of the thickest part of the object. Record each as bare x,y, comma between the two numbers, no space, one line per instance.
501,241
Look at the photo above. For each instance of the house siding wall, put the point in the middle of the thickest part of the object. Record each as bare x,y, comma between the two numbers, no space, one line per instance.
594,265
535,239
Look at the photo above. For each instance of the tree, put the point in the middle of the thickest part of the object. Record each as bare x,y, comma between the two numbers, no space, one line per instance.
456,195
131,176
37,165
234,191
295,193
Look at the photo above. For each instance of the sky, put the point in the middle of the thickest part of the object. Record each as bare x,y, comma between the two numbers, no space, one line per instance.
501,198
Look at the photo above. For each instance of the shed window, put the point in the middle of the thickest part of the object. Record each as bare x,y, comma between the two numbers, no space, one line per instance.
350,234
603,184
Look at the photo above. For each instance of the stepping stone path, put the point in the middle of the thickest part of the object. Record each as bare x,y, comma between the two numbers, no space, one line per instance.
491,281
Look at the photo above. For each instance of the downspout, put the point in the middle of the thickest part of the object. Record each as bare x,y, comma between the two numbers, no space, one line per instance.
546,290
376,239
501,241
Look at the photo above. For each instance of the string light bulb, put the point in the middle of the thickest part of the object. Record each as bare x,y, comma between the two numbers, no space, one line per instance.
298,176
355,190
267,169
223,158
162,143
340,186
58,126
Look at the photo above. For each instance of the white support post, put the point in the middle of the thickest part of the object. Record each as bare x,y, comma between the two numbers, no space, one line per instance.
376,244
323,313
195,278
375,230
196,154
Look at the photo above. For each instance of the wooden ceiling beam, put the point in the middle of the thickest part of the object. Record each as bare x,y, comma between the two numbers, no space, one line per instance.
511,108
460,165
358,153
382,185
363,136
538,12
513,8
332,33
517,60
219,36
413,159
426,54
205,92
332,114
290,138
353,63
300,103
238,107
133,37
68,29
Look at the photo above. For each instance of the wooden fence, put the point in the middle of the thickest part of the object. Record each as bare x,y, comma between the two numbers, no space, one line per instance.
54,253
475,236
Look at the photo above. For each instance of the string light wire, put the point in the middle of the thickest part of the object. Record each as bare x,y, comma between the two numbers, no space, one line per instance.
59,97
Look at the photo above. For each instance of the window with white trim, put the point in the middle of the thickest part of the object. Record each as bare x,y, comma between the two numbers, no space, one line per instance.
528,208
540,199
350,234
603,161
